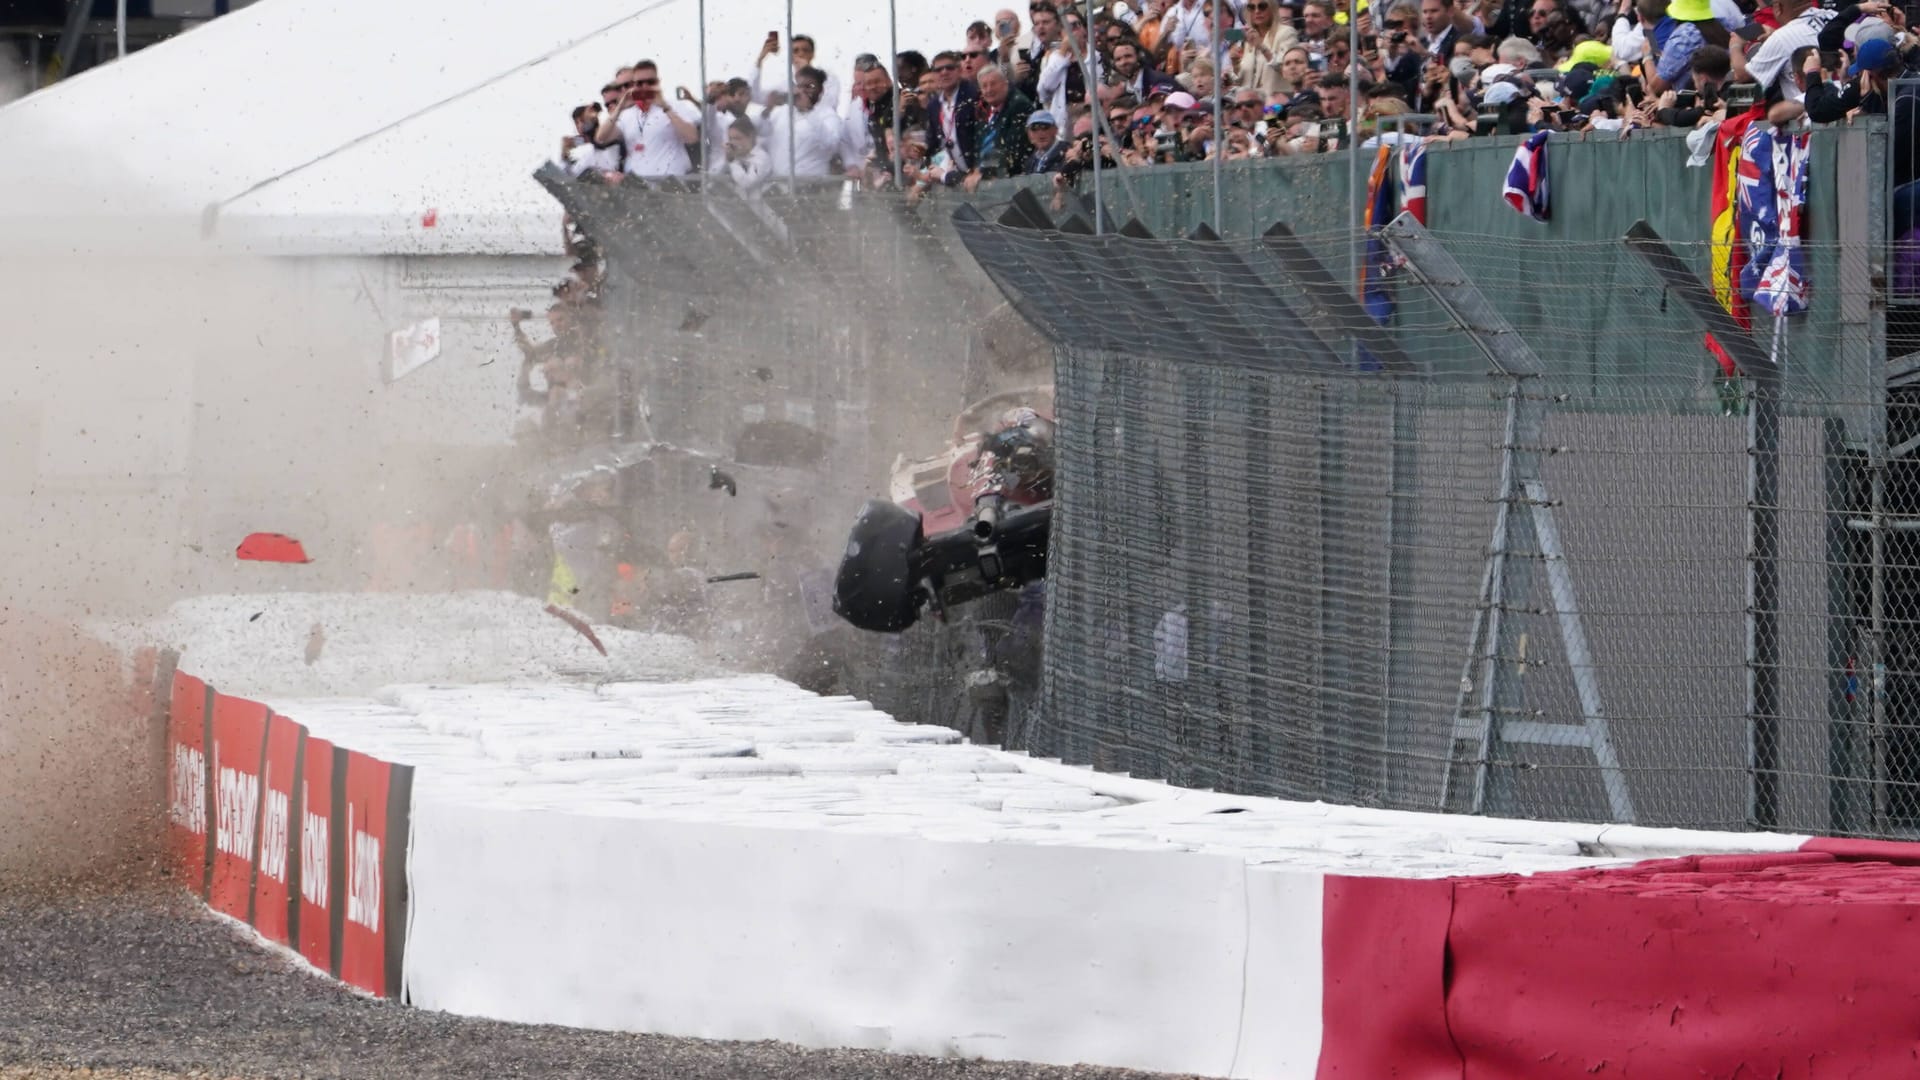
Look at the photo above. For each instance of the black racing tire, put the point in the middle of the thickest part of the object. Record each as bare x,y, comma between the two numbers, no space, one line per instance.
874,589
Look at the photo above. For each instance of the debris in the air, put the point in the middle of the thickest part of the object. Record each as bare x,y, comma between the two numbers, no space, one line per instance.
255,617
316,640
744,575
764,374
694,320
271,547
717,479
577,623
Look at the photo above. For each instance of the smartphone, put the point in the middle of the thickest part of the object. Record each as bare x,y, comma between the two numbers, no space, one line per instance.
1235,36
1005,27
1685,99
1753,31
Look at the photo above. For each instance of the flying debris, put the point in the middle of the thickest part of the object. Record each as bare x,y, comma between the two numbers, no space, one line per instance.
271,547
717,479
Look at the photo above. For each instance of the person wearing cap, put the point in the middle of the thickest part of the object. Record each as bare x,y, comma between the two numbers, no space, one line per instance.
1596,53
1049,149
1694,26
1874,62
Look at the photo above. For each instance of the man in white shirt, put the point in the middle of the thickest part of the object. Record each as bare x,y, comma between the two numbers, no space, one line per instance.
655,136
1184,24
801,137
800,54
746,163
727,102
1800,28
579,153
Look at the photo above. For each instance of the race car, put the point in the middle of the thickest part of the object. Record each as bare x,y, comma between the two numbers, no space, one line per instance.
961,525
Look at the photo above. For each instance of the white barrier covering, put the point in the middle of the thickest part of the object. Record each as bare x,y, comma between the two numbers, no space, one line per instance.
736,858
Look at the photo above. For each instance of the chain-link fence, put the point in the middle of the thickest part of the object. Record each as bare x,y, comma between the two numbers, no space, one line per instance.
1517,544
812,348
1524,549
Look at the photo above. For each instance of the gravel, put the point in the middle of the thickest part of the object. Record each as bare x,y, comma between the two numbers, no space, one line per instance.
144,983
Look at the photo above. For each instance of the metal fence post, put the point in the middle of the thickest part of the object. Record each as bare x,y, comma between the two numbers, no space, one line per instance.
893,60
1090,76
1763,589
793,111
706,118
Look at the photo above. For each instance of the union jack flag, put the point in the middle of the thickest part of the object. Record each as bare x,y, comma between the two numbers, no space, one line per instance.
1526,186
1772,211
1413,178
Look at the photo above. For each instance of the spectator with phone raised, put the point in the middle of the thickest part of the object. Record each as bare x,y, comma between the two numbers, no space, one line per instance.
1263,54
654,135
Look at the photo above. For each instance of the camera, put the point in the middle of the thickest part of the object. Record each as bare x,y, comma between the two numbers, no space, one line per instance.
1164,142
1686,99
1741,96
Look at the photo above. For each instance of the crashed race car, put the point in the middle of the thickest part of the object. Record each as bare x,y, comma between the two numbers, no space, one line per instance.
969,522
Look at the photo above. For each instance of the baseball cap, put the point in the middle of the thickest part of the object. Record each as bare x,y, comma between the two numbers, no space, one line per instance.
1042,117
1180,99
1690,10
1873,54
1304,97
1504,93
1496,72
1869,30
1589,52
1577,82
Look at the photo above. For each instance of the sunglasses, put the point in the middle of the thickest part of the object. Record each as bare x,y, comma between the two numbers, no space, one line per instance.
646,82
946,67
1259,5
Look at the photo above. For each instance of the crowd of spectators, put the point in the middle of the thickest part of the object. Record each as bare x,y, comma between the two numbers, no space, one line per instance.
1012,96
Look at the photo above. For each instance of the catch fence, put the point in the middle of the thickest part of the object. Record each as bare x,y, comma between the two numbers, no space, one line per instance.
1522,549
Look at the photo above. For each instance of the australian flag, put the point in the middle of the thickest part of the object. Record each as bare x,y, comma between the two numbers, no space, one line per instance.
1771,212
1526,186
1377,272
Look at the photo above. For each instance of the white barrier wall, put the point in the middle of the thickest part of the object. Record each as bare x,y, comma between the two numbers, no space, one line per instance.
973,949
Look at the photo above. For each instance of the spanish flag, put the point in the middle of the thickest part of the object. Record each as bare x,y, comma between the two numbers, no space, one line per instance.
1729,249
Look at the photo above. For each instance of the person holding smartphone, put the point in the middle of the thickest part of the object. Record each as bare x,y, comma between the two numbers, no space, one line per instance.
654,134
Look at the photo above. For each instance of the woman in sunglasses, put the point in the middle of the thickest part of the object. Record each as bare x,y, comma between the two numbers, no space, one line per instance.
1268,38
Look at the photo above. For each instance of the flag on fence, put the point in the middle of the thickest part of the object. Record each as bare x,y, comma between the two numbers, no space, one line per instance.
1729,247
1413,178
1376,270
1771,213
1526,187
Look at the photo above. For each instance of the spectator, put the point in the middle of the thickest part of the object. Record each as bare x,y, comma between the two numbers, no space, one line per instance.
1134,79
867,114
747,164
1198,79
1001,148
1183,32
1047,34
802,137
953,119
1710,70
1009,41
1262,55
800,53
580,153
1800,27
1437,28
1694,27
654,135
1060,84
1049,150
979,50
1874,62
1296,74
909,68
1316,29
726,103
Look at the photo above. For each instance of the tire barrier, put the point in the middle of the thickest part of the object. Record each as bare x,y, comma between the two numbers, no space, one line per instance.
300,839
739,859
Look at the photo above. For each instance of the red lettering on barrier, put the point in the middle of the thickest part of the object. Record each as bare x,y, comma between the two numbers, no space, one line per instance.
239,735
278,825
315,852
187,782
363,947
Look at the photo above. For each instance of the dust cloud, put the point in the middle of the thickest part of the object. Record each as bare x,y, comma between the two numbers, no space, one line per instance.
160,402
